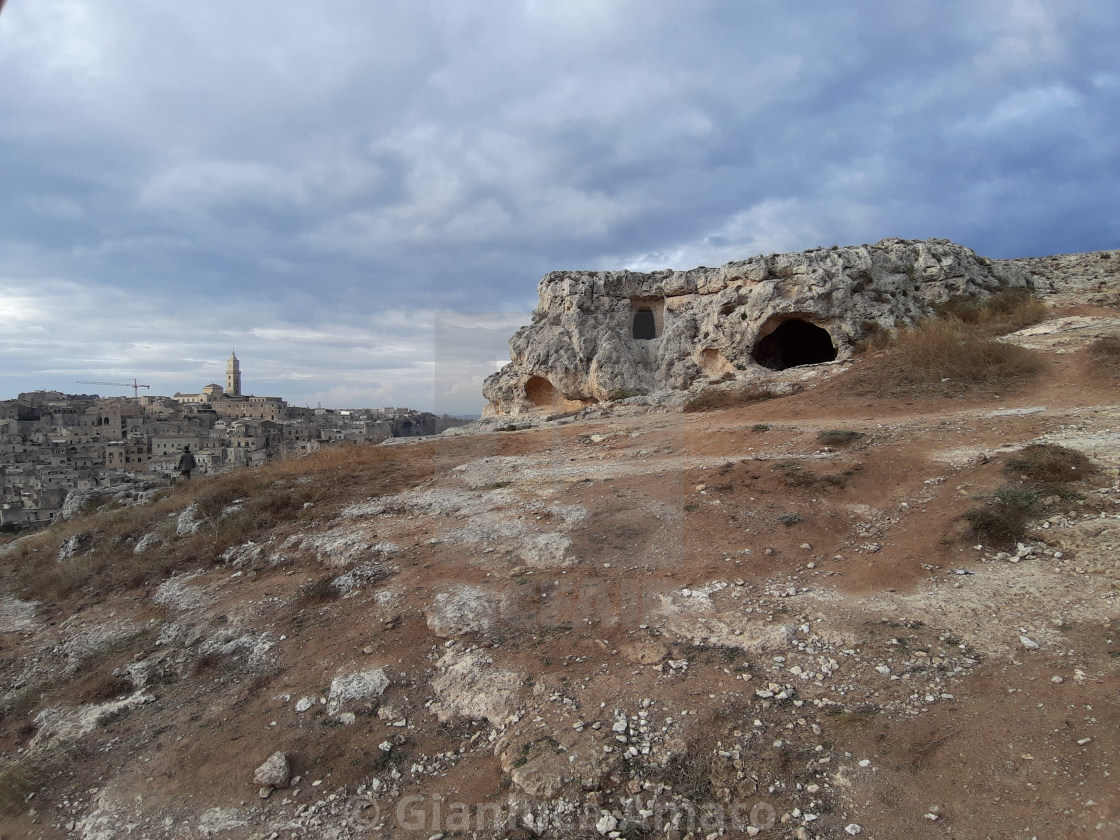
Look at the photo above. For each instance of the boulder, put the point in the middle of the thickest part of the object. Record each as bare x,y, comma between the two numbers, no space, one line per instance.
605,335
275,772
189,521
470,685
358,687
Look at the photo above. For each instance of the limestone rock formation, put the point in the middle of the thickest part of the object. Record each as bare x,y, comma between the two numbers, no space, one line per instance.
603,335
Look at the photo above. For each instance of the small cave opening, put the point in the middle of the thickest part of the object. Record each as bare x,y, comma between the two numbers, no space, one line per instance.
793,343
645,325
540,392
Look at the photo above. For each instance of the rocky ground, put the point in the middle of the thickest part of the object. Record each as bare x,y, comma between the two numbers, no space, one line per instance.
766,621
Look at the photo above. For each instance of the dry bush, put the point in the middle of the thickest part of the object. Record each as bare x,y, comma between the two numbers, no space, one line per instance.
1002,519
19,777
714,399
839,437
874,338
1104,356
1048,463
942,357
1001,313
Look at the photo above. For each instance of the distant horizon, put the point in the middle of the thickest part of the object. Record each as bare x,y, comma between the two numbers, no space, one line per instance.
92,395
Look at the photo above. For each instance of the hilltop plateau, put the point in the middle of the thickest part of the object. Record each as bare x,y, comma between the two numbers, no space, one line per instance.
877,597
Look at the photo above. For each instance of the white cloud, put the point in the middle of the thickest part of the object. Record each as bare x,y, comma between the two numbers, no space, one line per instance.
771,226
1022,108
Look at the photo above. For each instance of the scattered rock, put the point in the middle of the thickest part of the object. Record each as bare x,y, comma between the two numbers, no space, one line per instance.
461,609
74,545
470,685
190,520
275,772
358,687
147,541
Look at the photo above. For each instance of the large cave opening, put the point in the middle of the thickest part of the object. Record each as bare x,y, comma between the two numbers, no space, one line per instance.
793,343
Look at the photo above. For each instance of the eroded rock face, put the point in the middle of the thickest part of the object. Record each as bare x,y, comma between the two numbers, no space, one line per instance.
606,335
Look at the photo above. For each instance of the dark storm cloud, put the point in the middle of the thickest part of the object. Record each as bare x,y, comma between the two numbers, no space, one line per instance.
317,183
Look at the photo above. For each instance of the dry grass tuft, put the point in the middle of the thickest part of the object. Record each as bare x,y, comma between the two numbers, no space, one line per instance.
1049,463
1001,313
714,399
1042,470
941,357
939,350
1104,357
839,437
1002,519
19,777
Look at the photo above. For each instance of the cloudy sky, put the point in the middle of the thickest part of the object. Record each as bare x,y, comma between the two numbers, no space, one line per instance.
361,196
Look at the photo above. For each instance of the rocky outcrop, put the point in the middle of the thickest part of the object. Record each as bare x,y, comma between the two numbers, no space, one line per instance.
603,335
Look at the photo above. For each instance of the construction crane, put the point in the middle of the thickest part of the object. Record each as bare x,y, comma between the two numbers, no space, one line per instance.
134,385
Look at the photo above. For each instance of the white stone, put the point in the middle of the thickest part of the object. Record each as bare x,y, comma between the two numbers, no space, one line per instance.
606,824
357,687
275,772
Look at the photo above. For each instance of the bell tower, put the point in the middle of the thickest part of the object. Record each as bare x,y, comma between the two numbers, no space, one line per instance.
233,376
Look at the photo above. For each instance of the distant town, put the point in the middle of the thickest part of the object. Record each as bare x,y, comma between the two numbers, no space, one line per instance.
56,447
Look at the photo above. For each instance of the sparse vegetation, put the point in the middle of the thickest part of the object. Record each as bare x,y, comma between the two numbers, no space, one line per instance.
1104,356
839,437
940,357
714,399
1048,463
997,314
1003,518
874,338
1043,471
238,506
19,777
319,591
954,350
794,474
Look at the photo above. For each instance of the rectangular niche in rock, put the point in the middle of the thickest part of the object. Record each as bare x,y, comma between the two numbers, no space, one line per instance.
647,318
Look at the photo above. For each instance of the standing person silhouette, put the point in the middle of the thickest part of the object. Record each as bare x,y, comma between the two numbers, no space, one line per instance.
186,462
